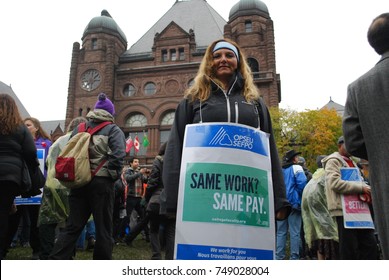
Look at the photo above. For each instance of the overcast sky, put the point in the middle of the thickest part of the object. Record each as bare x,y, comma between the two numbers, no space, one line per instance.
321,46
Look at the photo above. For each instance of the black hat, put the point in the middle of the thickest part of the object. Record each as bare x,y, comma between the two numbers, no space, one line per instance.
318,161
290,155
341,140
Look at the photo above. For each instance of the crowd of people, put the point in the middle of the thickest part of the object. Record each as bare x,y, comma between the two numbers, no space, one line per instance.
310,207
59,220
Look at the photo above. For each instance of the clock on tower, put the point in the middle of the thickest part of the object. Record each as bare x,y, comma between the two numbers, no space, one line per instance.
90,79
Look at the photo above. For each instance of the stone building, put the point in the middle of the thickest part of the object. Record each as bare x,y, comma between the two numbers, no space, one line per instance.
147,80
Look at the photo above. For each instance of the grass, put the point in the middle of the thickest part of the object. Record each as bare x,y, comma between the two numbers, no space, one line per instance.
139,251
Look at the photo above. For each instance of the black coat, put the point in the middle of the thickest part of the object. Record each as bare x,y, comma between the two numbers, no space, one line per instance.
13,149
218,108
154,183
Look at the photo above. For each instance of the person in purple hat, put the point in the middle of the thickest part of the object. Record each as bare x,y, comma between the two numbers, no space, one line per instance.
97,197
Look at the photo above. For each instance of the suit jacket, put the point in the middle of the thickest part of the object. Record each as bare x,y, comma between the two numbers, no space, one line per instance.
366,133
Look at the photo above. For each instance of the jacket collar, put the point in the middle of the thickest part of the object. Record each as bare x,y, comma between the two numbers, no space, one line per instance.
237,85
384,56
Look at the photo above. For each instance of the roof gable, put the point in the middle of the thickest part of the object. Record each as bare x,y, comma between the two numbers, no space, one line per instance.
197,15
172,30
331,105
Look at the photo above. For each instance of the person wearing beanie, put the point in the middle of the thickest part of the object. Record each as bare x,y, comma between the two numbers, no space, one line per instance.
104,103
97,197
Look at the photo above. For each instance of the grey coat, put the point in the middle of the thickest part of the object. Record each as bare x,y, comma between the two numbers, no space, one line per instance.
366,133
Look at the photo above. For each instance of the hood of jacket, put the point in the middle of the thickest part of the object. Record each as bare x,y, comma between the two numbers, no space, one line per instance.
334,155
100,115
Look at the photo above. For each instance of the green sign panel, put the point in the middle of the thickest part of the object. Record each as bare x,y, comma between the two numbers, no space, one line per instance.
226,193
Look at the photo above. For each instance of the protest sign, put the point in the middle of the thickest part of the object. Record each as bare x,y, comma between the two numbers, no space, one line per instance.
225,203
356,213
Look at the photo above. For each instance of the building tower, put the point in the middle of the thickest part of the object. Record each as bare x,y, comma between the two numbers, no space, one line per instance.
251,27
93,66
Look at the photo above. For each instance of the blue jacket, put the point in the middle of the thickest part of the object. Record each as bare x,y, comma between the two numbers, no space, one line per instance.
295,181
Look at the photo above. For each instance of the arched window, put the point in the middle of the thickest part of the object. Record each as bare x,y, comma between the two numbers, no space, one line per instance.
248,26
168,118
94,44
254,66
166,123
253,63
136,120
137,123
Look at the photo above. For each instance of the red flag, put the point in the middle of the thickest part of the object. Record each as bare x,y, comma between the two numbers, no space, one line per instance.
136,144
129,144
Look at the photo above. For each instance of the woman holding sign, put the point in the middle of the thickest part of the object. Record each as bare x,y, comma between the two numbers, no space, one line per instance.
30,202
223,91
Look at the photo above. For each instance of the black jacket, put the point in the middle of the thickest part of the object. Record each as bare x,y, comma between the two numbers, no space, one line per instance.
220,107
15,148
154,183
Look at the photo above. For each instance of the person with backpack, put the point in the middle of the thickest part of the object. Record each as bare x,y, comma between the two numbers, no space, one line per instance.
97,196
54,208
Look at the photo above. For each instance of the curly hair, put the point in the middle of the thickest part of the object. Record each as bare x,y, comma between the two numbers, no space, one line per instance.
201,88
74,123
10,117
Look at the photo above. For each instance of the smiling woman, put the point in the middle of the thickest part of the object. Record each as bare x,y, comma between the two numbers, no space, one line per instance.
223,91
225,62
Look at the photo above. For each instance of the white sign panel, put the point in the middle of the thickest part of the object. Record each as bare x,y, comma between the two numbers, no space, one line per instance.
225,203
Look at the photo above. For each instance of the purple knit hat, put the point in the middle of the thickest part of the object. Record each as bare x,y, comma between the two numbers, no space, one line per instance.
105,104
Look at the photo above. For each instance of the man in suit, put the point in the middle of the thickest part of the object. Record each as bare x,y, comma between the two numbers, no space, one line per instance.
365,125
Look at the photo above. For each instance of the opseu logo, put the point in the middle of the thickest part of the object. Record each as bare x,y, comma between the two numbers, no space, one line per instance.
223,139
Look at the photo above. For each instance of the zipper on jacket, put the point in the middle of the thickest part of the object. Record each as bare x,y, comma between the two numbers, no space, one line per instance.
257,113
227,95
228,106
236,112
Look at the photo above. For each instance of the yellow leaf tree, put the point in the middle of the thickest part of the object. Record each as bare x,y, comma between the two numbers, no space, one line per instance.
311,132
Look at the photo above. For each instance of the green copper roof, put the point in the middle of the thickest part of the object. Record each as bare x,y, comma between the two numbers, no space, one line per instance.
105,24
249,7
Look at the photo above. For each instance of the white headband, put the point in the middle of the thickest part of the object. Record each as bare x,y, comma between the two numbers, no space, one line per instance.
226,45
